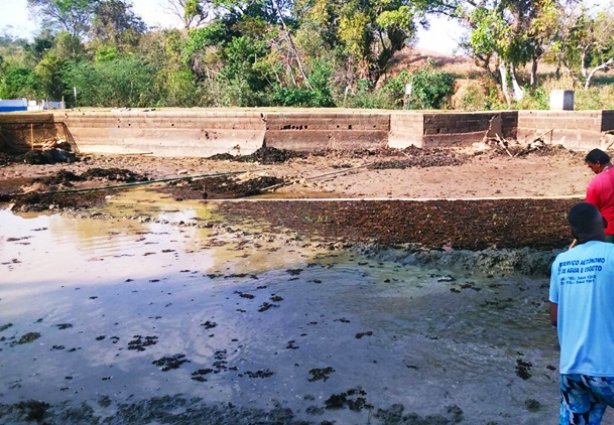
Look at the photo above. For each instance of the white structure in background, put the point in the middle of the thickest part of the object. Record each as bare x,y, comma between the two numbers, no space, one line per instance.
561,100
14,105
43,105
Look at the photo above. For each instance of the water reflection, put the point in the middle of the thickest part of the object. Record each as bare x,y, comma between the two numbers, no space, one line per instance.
125,310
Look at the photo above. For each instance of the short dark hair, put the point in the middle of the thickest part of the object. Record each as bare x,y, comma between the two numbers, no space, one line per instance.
597,156
585,220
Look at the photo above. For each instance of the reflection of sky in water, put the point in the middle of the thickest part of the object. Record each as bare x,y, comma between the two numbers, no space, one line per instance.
403,334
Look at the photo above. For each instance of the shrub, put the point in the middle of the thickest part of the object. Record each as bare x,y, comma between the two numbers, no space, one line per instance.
430,89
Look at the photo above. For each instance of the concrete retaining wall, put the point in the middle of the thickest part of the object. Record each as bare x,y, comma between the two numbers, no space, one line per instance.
578,130
166,132
406,129
20,131
329,130
205,132
446,129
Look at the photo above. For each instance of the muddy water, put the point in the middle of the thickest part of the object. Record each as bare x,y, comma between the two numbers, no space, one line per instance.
170,314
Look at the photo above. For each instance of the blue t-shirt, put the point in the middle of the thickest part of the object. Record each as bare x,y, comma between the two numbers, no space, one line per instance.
582,284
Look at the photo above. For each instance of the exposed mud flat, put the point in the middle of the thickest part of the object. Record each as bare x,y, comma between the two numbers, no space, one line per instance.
480,171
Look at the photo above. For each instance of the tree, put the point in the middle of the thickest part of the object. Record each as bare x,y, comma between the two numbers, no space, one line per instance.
511,33
245,74
74,16
192,13
17,82
370,31
114,23
122,82
598,50
584,42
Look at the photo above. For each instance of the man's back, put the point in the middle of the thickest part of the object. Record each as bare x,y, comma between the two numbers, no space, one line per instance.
582,284
600,193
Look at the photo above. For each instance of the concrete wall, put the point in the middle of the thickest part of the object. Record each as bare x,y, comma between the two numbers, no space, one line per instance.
205,132
177,133
578,130
19,131
330,129
406,129
445,129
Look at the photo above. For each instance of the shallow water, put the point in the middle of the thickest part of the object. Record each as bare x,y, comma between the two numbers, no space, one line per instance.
119,311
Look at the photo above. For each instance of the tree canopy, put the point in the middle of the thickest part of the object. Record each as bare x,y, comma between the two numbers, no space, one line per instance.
296,52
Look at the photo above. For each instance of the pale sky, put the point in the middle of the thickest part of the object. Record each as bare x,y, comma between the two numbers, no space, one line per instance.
442,37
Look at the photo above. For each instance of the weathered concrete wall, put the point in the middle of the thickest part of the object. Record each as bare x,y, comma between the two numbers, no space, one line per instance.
459,129
20,131
326,130
579,130
182,132
205,132
445,129
406,129
467,224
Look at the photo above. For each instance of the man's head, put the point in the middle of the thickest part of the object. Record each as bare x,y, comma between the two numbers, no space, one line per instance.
597,160
586,222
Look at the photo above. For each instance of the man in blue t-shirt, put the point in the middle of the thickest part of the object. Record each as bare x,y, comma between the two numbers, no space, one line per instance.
582,309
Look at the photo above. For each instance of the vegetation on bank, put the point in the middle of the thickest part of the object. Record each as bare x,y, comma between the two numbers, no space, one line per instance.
310,53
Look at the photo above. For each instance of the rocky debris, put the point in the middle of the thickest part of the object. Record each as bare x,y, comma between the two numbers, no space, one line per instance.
170,362
35,201
44,193
221,187
114,174
263,155
28,338
515,148
320,374
525,261
47,156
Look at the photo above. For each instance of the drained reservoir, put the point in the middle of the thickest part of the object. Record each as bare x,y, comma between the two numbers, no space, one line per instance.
177,314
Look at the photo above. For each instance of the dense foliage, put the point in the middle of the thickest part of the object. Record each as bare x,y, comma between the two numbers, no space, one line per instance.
308,53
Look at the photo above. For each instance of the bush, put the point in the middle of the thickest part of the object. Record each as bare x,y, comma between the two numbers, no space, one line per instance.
471,95
366,99
318,96
430,89
123,82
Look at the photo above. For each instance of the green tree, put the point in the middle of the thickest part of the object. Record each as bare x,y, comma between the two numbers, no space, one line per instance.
18,82
122,82
245,73
74,16
192,13
114,23
583,42
509,33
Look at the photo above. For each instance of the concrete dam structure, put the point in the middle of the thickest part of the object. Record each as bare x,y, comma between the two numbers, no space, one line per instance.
205,132
432,222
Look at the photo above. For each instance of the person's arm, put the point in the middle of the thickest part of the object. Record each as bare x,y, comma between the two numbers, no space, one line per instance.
554,311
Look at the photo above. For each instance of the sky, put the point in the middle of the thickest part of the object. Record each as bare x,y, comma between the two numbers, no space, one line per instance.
442,37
